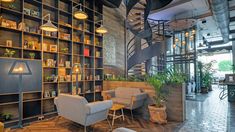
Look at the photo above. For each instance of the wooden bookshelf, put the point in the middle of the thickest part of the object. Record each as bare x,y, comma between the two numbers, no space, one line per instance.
75,42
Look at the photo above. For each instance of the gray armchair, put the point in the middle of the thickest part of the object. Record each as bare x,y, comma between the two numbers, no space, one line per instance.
77,109
131,98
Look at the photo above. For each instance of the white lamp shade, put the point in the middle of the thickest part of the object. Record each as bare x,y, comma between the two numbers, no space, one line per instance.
80,14
101,30
49,27
20,68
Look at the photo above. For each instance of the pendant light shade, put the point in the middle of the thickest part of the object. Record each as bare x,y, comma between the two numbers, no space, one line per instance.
48,26
7,1
101,30
80,14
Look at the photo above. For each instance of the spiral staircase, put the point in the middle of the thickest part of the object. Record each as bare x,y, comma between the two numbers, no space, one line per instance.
147,36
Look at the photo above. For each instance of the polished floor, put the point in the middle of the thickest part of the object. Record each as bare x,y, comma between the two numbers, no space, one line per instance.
205,113
209,114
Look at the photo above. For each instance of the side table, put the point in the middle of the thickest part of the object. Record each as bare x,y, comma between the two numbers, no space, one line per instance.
117,107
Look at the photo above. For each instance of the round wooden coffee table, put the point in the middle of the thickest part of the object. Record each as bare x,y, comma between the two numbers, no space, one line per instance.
117,107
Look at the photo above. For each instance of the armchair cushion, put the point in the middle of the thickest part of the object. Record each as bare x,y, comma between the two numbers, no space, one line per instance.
95,107
140,96
108,94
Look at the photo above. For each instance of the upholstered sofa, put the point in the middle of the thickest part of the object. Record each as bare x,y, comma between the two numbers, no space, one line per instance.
131,98
77,109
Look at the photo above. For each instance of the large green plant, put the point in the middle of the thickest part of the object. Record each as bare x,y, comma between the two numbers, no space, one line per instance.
160,93
207,73
175,77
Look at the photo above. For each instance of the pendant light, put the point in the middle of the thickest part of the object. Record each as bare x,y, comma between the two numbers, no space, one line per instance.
80,14
48,26
7,1
101,29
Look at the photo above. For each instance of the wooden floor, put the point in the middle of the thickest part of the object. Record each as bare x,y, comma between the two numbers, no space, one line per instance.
59,124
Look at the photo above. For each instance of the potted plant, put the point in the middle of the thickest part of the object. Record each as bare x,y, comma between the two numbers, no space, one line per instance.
158,109
64,50
206,76
9,53
32,55
6,116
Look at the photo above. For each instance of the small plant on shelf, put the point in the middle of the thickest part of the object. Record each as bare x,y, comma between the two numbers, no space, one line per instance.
32,55
9,53
64,50
6,116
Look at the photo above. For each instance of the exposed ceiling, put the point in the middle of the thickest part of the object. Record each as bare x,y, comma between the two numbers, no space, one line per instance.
199,10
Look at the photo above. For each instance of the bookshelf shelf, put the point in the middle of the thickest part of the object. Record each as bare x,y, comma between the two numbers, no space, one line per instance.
56,64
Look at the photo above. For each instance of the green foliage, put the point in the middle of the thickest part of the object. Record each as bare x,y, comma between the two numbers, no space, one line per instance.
157,83
207,73
32,55
225,65
6,116
9,53
164,78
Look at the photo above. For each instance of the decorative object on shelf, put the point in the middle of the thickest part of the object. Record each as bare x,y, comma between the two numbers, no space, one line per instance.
65,50
53,48
86,52
67,64
9,53
49,78
68,78
6,116
101,29
50,63
21,26
1,127
76,69
34,13
32,55
8,23
48,26
26,11
20,67
98,88
55,79
9,43
97,54
61,78
74,90
61,63
80,14
47,94
53,93
65,36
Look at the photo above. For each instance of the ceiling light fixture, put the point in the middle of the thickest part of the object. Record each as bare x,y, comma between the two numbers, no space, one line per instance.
101,29
80,14
48,26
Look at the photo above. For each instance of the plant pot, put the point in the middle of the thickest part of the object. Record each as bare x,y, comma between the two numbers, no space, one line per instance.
210,88
157,115
204,90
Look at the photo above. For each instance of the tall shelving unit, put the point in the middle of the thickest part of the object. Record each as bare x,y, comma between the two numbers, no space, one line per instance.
75,42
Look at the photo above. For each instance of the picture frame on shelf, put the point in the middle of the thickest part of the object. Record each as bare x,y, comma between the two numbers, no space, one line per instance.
9,43
55,79
53,48
67,64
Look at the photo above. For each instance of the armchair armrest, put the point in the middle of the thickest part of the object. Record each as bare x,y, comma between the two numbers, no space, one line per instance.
108,94
95,107
139,97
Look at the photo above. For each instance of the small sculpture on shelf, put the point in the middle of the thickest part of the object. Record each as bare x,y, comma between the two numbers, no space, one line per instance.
9,53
